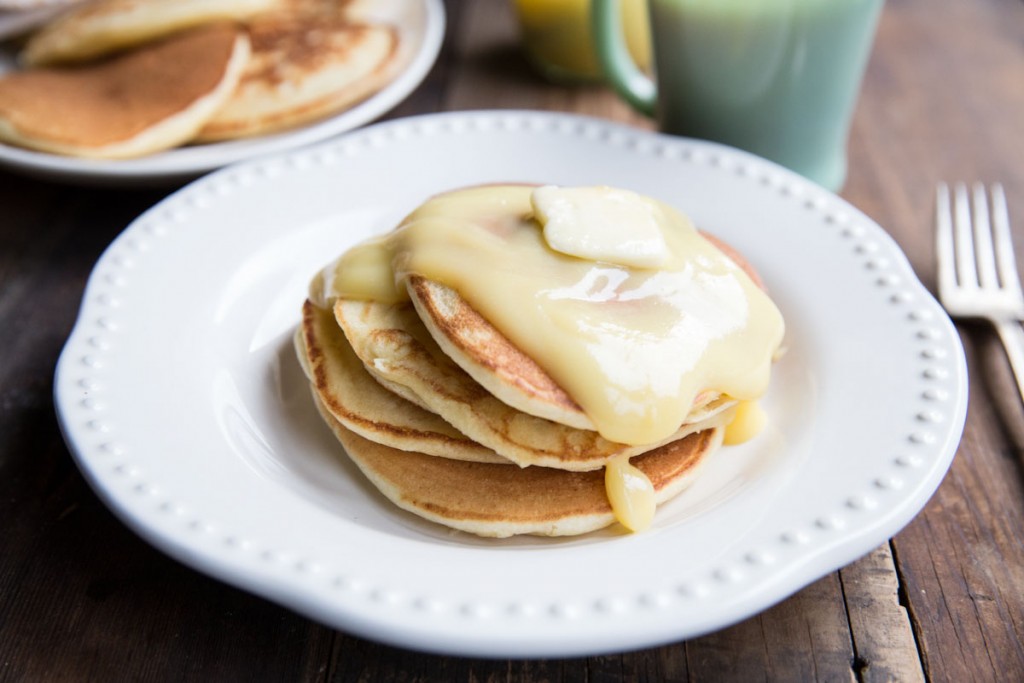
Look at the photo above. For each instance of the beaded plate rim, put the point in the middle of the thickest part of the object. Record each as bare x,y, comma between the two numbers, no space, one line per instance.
858,518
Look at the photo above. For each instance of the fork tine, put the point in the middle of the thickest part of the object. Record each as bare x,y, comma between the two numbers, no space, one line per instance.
967,274
944,239
983,252
1007,263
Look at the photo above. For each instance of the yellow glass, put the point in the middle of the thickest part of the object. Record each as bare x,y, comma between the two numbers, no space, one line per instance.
557,37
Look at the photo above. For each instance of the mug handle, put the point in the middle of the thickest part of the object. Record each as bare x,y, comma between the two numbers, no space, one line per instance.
632,84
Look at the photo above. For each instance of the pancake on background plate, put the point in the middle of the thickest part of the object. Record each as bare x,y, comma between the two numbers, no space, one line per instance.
131,104
304,67
101,27
307,60
591,336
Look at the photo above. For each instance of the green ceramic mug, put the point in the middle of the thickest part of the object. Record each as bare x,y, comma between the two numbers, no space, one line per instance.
778,78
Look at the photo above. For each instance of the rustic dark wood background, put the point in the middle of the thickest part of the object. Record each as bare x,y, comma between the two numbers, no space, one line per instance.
83,598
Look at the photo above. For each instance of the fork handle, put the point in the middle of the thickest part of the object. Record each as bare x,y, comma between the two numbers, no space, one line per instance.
1012,335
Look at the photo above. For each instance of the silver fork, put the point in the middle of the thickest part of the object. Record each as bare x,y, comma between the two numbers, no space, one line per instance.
977,270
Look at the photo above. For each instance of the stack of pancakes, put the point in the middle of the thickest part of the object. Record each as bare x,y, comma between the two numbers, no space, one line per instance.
114,79
452,422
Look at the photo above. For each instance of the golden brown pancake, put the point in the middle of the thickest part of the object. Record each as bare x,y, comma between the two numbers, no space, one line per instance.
316,7
304,67
489,357
132,104
500,501
105,26
348,392
395,348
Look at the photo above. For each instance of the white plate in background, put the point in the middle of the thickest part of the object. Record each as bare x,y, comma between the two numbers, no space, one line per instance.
421,24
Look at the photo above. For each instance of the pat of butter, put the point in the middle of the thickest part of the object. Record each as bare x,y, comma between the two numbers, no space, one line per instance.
601,224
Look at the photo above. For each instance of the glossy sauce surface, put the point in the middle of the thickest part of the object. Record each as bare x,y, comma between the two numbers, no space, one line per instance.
633,346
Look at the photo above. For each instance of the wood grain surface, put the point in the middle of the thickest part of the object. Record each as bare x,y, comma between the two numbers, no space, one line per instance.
83,598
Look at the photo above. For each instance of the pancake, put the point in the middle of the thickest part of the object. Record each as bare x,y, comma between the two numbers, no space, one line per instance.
489,357
319,7
395,348
104,26
132,104
499,501
493,361
304,67
351,395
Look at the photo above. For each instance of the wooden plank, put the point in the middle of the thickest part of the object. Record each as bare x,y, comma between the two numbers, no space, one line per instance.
88,600
963,560
81,596
882,636
355,659
804,638
937,105
429,95
930,114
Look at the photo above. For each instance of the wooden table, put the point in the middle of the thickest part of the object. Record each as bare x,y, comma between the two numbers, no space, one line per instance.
83,598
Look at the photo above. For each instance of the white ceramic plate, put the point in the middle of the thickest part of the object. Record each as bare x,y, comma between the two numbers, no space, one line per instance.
184,406
421,24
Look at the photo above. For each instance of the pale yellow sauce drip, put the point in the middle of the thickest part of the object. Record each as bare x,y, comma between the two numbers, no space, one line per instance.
749,421
634,347
630,493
